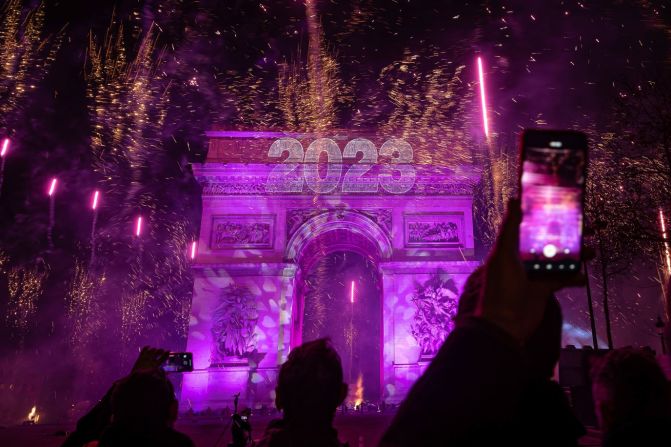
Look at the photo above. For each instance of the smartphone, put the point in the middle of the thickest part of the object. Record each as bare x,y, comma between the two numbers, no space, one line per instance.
552,187
179,362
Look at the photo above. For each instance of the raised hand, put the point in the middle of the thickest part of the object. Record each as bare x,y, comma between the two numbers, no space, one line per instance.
509,298
150,358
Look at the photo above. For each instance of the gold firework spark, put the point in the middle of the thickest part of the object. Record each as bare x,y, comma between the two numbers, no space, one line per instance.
81,305
25,57
26,285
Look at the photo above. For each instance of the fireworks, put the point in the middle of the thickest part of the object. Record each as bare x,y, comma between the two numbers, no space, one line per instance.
25,57
3,152
5,147
52,210
481,78
667,252
81,307
94,200
416,91
25,284
52,187
138,226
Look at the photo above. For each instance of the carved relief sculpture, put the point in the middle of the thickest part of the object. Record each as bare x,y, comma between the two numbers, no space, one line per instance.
234,321
241,231
434,230
436,300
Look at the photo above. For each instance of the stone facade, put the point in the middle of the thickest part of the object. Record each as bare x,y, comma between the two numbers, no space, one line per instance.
255,241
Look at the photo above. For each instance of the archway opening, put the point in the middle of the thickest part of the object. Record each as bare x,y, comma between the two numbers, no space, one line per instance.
350,316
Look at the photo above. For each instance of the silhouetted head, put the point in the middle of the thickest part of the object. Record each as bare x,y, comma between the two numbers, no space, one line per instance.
470,296
629,386
543,346
144,402
310,385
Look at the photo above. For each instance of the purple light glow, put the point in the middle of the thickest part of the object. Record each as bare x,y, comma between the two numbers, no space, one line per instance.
351,293
138,226
481,77
5,147
94,203
193,250
52,186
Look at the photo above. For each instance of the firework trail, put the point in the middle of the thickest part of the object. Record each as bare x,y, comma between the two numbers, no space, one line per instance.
25,59
94,221
128,102
52,212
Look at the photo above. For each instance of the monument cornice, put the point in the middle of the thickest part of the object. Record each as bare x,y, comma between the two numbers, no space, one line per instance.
223,179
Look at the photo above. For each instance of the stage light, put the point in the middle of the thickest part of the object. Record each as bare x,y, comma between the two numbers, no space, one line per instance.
351,293
483,100
52,186
94,203
138,226
193,250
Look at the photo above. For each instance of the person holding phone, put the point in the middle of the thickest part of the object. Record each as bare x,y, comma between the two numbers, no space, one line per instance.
139,409
473,391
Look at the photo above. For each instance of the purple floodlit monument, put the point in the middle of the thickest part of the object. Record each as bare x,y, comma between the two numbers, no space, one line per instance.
279,210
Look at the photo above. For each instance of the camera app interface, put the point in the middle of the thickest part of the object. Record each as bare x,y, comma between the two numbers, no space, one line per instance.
552,189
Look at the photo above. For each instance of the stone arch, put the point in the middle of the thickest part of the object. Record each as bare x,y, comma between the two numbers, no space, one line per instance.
332,231
338,230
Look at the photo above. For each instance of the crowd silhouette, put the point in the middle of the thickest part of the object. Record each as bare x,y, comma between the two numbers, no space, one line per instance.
490,383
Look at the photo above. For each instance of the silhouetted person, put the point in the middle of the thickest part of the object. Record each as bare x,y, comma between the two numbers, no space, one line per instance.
241,429
137,410
473,391
631,399
144,410
545,414
309,389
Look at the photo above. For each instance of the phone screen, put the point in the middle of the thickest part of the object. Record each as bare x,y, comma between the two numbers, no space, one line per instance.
179,362
552,186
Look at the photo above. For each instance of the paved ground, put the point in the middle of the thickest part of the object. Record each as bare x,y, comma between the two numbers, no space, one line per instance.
362,430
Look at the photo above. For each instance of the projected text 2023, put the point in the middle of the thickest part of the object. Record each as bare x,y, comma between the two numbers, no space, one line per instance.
342,172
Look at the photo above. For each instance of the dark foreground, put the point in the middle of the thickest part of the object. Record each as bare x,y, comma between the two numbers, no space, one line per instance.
360,430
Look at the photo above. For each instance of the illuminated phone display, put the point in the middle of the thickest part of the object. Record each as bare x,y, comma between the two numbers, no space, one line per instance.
179,362
552,186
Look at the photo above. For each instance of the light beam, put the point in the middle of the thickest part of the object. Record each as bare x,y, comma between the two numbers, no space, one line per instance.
138,226
351,293
193,250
